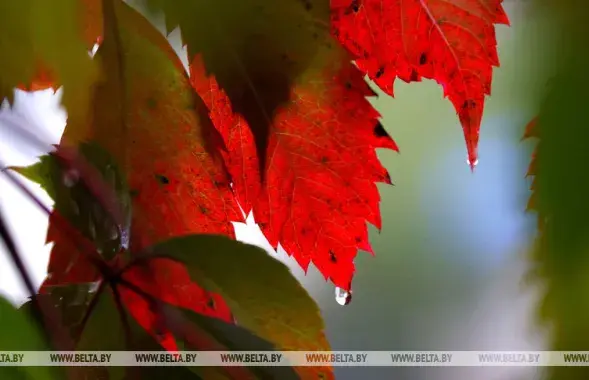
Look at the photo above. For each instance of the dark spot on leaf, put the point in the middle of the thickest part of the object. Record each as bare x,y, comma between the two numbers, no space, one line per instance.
162,179
324,159
211,303
358,239
203,209
379,72
469,104
332,256
134,193
348,85
379,130
355,6
422,59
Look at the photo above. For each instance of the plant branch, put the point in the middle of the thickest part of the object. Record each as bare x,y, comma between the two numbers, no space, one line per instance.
20,266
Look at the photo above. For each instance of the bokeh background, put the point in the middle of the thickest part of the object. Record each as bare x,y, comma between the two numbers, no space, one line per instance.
450,261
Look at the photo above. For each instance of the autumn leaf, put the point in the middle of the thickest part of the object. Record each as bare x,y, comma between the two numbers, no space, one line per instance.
452,42
261,291
70,263
254,48
139,114
111,302
146,108
45,45
321,163
159,277
77,204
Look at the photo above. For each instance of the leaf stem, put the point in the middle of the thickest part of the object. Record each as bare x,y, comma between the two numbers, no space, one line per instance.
20,266
92,305
123,316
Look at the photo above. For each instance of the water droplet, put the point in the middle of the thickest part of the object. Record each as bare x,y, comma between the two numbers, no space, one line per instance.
70,177
468,162
342,297
124,238
93,286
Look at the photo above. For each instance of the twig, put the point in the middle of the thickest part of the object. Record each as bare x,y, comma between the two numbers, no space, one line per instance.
19,264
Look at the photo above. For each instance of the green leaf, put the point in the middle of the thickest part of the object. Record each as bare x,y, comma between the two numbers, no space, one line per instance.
236,338
254,48
561,188
105,313
75,201
260,291
18,332
104,331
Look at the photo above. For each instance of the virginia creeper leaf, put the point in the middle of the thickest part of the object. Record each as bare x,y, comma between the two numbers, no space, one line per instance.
68,264
147,116
450,41
322,166
227,337
561,185
70,300
254,48
45,44
261,291
146,108
217,334
93,337
19,333
75,201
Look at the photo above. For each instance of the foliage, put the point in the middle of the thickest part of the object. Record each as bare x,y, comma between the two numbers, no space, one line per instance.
272,115
560,188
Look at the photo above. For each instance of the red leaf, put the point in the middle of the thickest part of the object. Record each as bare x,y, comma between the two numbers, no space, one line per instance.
67,265
151,125
450,41
321,166
240,155
169,282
